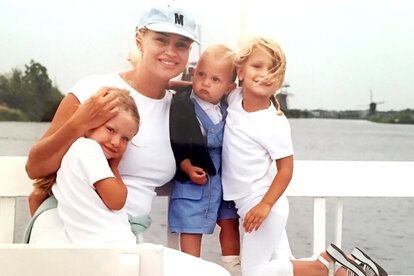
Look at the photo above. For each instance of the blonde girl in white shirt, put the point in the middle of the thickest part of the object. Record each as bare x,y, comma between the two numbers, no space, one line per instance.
258,166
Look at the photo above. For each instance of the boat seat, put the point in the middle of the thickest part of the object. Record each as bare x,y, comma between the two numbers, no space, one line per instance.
69,260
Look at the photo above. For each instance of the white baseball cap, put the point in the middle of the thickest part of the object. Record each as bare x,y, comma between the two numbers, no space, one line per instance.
169,18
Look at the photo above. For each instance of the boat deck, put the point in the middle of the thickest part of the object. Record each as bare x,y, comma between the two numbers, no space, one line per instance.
319,180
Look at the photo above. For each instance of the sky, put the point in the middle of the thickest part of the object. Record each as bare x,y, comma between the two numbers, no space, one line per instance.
337,50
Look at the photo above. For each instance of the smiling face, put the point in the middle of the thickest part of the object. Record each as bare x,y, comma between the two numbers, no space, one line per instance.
256,73
115,134
165,54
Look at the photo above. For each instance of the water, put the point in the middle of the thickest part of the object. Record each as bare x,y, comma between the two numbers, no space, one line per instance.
16,138
384,227
326,139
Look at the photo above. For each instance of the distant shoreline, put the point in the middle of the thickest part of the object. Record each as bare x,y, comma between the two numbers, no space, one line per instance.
389,117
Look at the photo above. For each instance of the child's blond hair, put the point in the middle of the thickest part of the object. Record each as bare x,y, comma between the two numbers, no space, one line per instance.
275,52
125,104
222,52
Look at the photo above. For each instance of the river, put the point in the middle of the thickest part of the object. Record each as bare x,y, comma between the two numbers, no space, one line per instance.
384,227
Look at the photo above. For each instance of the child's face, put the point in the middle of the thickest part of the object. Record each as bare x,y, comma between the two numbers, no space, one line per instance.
212,79
255,74
114,135
165,54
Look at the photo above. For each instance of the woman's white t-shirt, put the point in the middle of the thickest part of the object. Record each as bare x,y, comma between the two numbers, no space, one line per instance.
251,143
148,161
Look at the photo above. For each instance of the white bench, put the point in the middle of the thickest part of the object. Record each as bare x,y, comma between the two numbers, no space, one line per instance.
68,260
317,179
35,260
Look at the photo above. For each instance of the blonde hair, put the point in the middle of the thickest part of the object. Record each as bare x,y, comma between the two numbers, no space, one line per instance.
134,55
222,52
275,52
125,104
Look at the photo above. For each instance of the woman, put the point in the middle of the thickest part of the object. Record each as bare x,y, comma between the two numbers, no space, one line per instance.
164,36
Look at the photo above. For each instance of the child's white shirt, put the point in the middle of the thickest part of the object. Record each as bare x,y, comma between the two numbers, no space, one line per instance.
251,144
86,218
149,161
213,111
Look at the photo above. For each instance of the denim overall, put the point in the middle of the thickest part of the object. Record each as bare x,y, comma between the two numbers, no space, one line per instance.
194,208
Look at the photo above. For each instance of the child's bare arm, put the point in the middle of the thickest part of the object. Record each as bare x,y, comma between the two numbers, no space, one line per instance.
35,199
196,174
112,190
255,217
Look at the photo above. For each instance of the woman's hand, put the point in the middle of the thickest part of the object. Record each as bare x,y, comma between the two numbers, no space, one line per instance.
96,110
255,217
70,122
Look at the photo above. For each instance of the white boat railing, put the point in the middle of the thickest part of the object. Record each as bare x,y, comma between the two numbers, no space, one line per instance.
317,179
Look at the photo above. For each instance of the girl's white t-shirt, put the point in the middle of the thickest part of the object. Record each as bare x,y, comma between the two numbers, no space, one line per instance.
251,144
148,161
86,218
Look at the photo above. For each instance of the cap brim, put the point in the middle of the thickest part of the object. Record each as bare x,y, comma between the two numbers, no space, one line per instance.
168,28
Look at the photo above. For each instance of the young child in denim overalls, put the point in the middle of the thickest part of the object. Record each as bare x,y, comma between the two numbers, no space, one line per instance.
197,119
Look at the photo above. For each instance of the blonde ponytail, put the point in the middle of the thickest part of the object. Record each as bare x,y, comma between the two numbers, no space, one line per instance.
276,104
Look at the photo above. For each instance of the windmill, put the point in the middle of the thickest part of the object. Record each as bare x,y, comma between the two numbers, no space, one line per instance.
372,104
283,95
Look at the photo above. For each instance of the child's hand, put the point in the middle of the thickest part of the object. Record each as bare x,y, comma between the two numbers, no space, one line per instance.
114,162
255,217
197,175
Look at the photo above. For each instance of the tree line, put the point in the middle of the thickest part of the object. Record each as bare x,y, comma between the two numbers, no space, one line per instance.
28,95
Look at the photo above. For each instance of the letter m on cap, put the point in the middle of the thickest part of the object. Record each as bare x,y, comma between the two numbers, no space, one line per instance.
179,19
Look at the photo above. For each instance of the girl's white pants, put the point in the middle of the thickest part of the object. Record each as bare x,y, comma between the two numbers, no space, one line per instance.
266,251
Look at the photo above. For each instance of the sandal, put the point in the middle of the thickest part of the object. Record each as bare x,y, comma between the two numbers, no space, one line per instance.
352,268
329,265
370,267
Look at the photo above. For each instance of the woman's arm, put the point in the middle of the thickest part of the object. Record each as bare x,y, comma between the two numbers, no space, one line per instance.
178,84
70,122
255,217
112,191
